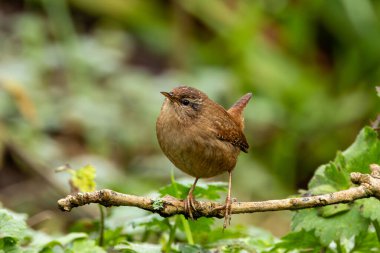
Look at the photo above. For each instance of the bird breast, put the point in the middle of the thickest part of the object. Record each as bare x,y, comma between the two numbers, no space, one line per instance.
193,148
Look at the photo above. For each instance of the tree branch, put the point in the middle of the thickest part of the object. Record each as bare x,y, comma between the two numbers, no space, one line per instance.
369,186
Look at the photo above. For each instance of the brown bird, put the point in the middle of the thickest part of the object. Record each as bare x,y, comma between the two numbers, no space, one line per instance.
201,138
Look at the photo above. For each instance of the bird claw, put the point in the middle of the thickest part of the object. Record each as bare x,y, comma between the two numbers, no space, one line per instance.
189,206
228,212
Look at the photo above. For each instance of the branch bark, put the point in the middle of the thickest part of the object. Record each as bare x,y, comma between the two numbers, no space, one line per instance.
368,186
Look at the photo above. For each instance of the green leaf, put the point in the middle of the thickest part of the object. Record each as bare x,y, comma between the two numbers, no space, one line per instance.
12,225
343,225
210,190
370,208
329,175
260,239
201,225
234,246
64,240
366,242
201,229
331,210
240,239
84,178
363,152
41,241
86,246
114,236
139,248
178,190
301,240
186,248
152,222
337,222
357,158
202,190
9,245
321,189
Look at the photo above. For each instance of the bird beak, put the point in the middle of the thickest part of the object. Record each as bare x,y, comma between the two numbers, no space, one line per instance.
169,95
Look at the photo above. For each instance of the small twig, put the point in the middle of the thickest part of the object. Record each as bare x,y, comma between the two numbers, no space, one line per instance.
369,186
101,226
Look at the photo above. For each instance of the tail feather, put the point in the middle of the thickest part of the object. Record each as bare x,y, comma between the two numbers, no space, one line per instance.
236,111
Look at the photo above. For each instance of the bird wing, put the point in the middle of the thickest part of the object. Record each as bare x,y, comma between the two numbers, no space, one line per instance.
228,130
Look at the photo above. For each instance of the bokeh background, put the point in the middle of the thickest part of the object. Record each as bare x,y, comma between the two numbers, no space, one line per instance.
80,83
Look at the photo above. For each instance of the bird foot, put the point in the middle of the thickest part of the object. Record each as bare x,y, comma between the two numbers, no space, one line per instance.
189,206
227,214
228,211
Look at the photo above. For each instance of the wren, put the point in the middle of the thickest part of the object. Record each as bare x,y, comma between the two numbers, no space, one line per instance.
201,138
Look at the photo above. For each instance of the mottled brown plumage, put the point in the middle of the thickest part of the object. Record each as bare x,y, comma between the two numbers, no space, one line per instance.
200,137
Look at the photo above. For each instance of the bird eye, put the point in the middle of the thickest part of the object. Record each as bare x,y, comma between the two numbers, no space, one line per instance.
185,102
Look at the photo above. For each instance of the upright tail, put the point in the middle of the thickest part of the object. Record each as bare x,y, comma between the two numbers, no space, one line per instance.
236,111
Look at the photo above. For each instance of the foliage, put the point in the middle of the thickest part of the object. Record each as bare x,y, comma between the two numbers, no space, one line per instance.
16,237
82,179
350,227
348,220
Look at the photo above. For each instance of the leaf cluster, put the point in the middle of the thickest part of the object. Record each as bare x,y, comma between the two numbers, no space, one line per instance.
352,227
16,237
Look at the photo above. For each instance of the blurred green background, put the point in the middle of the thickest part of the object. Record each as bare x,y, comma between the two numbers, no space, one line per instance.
80,83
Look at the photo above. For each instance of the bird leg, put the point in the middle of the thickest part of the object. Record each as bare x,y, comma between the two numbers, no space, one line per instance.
227,206
189,201
227,215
